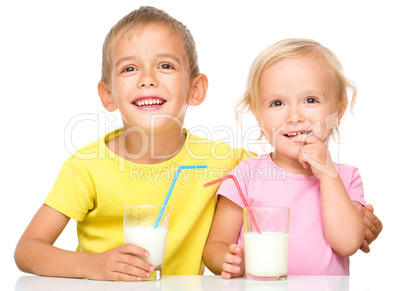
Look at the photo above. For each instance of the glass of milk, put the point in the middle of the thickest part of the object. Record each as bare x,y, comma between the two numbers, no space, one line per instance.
139,221
266,253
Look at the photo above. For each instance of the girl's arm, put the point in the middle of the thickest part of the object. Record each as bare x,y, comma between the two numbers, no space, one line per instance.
221,254
343,226
36,254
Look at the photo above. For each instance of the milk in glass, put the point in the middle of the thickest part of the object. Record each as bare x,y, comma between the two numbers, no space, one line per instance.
266,254
153,240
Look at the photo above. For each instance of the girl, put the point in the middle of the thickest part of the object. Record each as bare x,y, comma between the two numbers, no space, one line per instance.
297,92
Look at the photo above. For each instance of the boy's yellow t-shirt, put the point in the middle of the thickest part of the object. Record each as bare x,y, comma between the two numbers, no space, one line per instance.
94,184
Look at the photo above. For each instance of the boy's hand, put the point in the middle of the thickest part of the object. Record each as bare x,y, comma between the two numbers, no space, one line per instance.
314,152
120,264
233,265
373,225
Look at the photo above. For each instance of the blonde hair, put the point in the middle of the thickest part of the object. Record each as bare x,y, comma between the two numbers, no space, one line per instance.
139,19
292,48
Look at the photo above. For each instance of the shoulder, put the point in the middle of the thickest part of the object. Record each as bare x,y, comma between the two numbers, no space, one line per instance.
344,169
353,182
87,155
252,164
348,173
96,149
255,161
87,152
199,146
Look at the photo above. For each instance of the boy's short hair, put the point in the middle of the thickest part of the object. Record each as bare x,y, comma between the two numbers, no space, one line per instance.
139,19
293,48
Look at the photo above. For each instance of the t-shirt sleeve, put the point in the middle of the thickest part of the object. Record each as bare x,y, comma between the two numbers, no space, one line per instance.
228,187
73,192
355,189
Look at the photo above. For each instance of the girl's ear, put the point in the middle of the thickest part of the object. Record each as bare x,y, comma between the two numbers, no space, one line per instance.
199,86
341,111
106,97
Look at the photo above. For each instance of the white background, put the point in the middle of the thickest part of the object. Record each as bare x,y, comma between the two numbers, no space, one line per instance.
50,66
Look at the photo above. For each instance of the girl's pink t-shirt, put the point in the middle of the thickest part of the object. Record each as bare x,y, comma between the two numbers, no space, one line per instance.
265,184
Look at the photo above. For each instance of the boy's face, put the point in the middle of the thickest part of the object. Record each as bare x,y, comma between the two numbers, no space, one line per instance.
150,83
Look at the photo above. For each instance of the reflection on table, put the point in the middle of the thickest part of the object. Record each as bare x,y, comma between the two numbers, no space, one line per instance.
193,283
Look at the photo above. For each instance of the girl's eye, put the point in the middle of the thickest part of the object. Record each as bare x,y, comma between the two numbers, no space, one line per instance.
276,103
129,69
311,100
166,67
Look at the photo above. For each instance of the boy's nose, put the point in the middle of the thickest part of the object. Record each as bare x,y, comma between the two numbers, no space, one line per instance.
147,84
147,80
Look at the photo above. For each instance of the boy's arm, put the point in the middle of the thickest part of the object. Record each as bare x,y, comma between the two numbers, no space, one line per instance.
373,225
36,254
220,252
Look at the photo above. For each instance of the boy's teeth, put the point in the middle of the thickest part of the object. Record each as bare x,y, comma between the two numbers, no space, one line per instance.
149,102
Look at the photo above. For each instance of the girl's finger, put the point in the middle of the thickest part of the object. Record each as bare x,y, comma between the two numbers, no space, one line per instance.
225,275
230,268
234,249
231,259
302,161
306,138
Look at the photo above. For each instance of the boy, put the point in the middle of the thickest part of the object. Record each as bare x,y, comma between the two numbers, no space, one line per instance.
150,73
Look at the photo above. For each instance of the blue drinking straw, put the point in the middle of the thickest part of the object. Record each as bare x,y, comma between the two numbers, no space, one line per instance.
171,188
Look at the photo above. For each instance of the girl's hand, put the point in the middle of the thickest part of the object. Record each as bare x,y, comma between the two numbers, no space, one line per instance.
233,265
314,153
120,264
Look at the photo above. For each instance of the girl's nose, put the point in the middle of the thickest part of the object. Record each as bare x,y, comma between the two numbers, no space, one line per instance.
147,79
295,114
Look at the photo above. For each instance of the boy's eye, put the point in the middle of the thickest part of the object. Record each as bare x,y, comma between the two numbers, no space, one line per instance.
129,69
165,67
276,103
311,100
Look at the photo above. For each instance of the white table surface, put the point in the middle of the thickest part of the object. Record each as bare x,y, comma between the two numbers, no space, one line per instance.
210,283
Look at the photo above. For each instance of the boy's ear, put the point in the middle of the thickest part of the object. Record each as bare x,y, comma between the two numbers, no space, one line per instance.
106,97
199,90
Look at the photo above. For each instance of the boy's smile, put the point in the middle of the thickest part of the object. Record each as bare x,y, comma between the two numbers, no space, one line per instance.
149,102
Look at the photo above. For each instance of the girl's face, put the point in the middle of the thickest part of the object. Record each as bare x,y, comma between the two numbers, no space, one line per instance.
297,96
